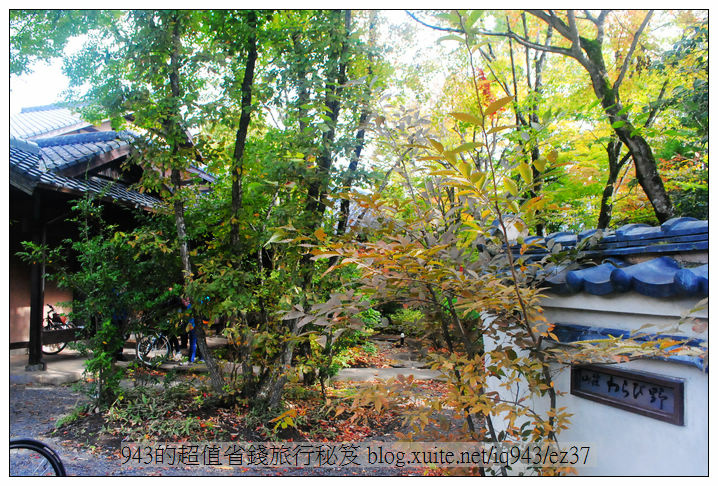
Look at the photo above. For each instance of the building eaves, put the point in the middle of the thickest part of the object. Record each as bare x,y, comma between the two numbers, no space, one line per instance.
27,174
41,121
61,153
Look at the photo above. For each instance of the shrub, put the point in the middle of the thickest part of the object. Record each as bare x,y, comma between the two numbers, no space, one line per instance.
409,321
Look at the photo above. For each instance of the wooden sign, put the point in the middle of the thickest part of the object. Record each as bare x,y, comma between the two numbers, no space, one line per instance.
643,393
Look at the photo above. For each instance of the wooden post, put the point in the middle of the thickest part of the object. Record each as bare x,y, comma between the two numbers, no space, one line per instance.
37,292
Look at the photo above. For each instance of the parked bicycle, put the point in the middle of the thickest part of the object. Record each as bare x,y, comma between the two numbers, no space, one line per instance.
30,457
153,349
55,322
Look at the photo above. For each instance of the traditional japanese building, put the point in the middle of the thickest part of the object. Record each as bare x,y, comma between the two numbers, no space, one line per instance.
55,156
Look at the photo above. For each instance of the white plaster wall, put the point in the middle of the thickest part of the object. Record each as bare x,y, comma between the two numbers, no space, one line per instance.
622,442
625,443
627,311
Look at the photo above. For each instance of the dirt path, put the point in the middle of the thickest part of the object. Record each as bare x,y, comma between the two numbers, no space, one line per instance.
409,359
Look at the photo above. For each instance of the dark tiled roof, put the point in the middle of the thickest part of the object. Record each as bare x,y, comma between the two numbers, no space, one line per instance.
27,173
62,152
675,235
201,174
79,138
571,333
34,122
658,277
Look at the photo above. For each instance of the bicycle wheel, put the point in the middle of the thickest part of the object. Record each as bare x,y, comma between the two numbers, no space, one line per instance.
55,347
29,457
153,350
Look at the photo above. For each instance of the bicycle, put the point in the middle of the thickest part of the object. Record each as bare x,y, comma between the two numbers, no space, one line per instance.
30,457
55,322
153,349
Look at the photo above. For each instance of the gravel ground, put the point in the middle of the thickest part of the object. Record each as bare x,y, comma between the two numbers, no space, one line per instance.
35,409
33,413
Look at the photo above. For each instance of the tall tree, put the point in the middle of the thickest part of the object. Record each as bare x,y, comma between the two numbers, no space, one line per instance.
241,137
369,88
589,53
336,78
616,163
147,69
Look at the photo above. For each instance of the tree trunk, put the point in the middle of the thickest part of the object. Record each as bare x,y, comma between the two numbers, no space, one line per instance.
539,62
353,163
241,138
647,172
646,167
269,394
614,168
604,217
318,187
174,135
215,374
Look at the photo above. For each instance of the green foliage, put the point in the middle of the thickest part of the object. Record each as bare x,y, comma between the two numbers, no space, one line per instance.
348,349
270,422
71,417
687,183
459,180
141,413
38,35
120,281
105,343
408,321
689,59
370,317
